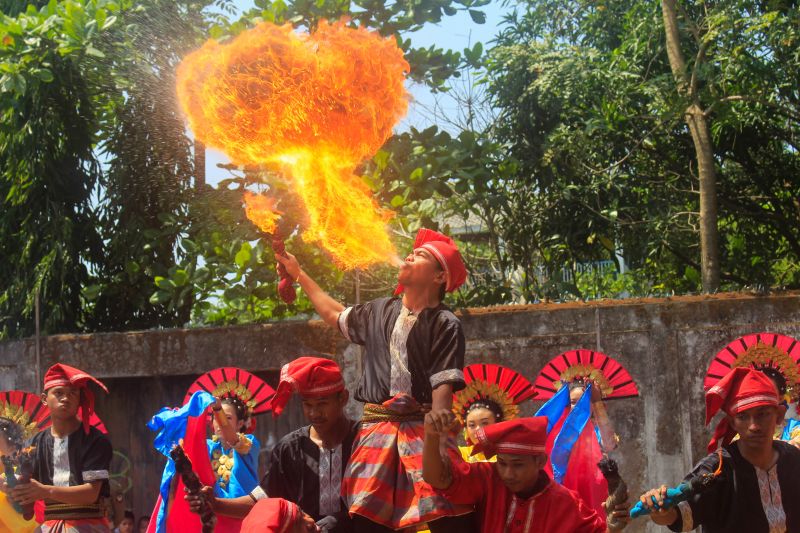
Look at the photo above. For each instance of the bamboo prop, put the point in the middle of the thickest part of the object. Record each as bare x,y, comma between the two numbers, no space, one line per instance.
617,490
183,466
18,471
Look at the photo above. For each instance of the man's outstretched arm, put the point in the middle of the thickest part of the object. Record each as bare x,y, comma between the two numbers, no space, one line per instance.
327,308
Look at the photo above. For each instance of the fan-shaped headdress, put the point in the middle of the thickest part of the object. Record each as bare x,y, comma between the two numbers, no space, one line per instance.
585,366
30,415
240,386
776,355
494,387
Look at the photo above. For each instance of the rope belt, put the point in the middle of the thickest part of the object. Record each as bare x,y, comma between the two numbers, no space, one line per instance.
62,511
374,412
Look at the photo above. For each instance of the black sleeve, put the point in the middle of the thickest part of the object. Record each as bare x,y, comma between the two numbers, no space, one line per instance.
354,322
96,458
447,353
703,508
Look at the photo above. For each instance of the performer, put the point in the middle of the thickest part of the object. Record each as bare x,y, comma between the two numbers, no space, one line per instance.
492,394
22,415
276,515
71,457
580,432
758,487
515,494
233,449
414,355
307,465
776,355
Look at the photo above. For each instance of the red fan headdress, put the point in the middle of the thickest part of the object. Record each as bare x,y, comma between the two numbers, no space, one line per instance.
501,386
232,382
32,416
587,366
774,354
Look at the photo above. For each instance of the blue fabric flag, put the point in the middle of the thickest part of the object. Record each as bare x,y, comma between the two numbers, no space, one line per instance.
171,427
570,431
553,409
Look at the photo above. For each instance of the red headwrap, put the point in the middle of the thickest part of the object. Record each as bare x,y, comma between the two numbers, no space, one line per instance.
444,249
61,375
271,515
311,377
739,390
521,436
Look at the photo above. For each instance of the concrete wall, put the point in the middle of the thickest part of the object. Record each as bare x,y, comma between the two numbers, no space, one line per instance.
665,344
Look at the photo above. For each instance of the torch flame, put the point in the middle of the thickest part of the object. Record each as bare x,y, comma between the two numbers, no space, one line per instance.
260,210
314,105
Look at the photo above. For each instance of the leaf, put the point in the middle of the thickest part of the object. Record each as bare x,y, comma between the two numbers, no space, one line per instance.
44,74
92,51
478,17
243,256
164,283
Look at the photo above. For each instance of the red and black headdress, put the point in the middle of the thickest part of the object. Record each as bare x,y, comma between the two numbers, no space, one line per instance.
776,355
494,387
240,387
585,366
61,375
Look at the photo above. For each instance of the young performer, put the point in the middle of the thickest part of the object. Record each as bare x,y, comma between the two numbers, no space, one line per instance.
414,355
233,449
307,465
492,394
71,457
580,432
514,494
757,486
776,355
276,515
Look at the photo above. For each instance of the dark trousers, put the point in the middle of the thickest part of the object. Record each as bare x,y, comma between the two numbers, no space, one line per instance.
467,523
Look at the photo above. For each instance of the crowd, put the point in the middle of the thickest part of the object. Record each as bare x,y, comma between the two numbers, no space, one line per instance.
400,467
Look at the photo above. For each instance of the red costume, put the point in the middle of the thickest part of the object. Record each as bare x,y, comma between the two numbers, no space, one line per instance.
552,507
271,515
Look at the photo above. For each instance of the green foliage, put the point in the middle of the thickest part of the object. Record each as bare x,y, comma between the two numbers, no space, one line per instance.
48,170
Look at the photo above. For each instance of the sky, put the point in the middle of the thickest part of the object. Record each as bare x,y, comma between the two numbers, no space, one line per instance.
456,33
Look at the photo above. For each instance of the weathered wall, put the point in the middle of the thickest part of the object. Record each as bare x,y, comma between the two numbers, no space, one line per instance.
666,345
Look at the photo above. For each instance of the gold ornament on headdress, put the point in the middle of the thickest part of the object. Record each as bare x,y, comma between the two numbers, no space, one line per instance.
478,390
17,414
762,355
234,388
587,373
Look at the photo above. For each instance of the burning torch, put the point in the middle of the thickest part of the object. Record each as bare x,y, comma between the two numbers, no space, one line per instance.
260,210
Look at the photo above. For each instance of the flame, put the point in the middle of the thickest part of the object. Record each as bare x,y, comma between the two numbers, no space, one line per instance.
260,210
312,105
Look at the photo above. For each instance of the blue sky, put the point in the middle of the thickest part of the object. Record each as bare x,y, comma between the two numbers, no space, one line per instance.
456,33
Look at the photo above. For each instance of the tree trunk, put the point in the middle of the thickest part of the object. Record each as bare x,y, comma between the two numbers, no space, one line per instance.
697,122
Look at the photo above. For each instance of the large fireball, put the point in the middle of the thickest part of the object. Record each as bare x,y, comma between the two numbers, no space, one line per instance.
313,106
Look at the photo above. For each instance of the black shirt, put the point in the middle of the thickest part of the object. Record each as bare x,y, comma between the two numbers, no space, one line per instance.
83,458
434,348
294,473
743,497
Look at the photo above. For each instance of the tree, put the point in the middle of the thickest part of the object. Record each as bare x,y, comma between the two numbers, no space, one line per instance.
48,169
590,108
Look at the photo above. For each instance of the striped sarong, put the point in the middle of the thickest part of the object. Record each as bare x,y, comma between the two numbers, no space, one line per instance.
383,481
83,525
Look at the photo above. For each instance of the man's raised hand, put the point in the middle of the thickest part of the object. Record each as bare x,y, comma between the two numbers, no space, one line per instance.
440,422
